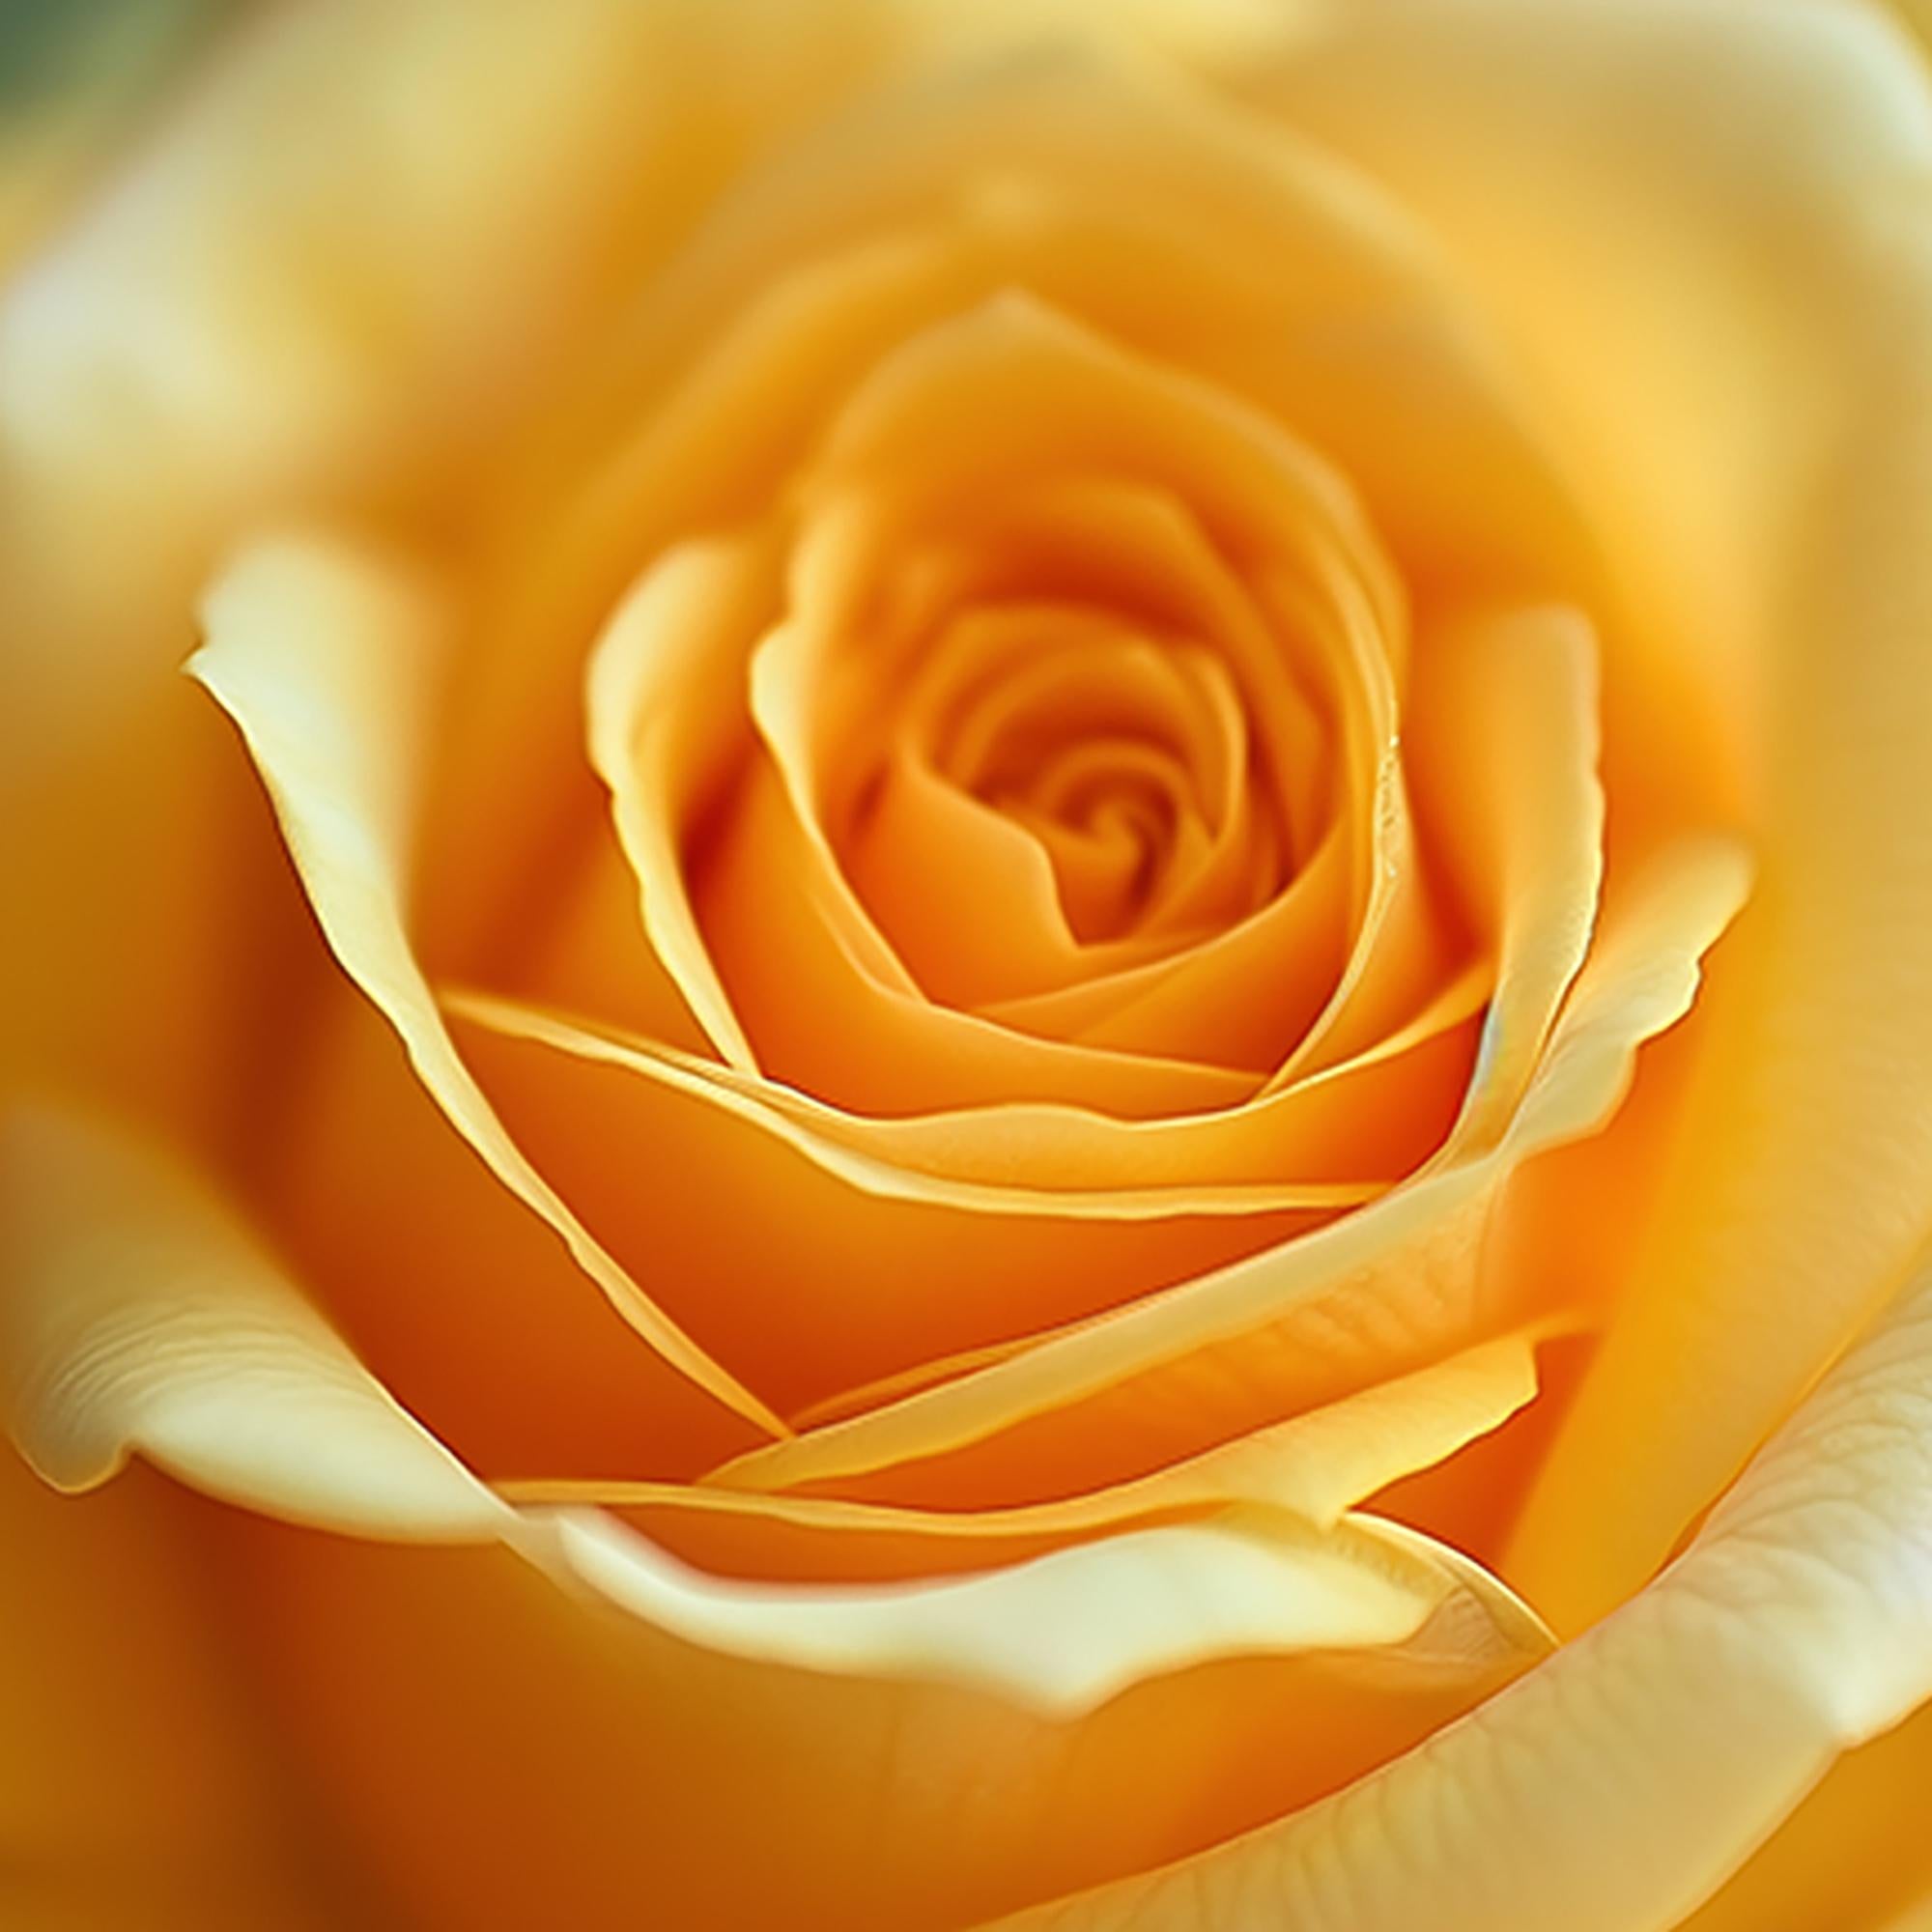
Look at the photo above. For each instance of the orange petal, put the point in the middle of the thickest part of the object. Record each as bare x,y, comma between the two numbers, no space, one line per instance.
325,658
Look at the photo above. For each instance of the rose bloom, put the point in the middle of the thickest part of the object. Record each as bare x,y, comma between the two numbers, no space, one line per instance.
1026,1014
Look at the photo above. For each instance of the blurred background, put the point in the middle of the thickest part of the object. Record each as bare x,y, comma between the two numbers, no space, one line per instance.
77,80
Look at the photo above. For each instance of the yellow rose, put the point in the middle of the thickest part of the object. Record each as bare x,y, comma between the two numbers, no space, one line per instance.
1027,1013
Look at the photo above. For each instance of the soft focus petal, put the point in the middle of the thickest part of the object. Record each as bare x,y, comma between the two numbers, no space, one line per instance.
1853,1856
1757,471
348,247
70,83
1623,1780
138,1785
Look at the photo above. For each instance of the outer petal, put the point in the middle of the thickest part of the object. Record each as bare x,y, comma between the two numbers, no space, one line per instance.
345,251
139,1317
358,242
1758,467
142,1318
1852,1857
1061,1634
513,1757
138,1786
1618,1784
327,659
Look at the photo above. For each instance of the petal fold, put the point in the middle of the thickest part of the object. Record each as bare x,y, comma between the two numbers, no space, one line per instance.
141,1317
328,658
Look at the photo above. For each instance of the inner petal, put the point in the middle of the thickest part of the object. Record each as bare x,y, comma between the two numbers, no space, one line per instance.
1124,755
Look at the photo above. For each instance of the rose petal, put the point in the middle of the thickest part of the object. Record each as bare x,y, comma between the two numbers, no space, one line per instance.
324,656
665,702
1688,1723
1315,1466
140,1317
735,360
1061,1632
1505,754
810,1285
1755,471
1371,1285
1065,1161
145,1320
138,1784
463,1303
825,1023
1851,1856
446,1700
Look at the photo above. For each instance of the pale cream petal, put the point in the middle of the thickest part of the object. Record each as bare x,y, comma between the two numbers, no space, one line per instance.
1505,763
1619,1783
140,1317
1061,1632
665,696
328,658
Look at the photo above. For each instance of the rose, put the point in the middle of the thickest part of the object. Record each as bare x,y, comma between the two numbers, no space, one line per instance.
1231,390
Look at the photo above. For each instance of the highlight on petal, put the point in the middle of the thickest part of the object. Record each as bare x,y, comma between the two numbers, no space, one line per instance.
140,1317
1061,1632
1688,1723
326,658
1040,1159
667,723
1506,753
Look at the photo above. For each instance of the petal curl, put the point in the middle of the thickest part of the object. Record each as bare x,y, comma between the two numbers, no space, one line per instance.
147,1321
1315,1466
328,658
1688,1722
1061,1632
140,1317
